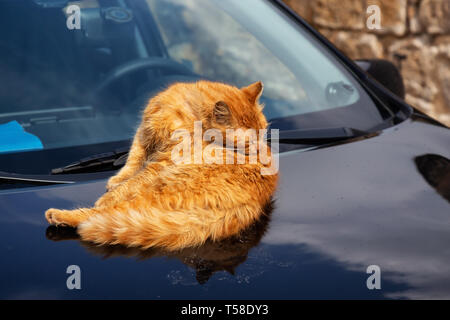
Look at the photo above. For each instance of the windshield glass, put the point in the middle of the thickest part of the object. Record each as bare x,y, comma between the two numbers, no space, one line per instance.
72,87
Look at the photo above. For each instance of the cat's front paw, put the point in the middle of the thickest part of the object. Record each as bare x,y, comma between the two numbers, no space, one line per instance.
113,183
100,202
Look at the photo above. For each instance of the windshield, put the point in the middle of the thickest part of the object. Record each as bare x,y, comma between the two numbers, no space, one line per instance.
73,87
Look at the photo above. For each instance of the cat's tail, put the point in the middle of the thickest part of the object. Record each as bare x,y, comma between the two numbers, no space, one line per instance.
172,230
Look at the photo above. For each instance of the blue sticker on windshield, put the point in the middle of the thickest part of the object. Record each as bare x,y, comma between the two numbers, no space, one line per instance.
14,138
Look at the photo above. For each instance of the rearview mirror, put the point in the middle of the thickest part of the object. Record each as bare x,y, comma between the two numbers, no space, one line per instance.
386,73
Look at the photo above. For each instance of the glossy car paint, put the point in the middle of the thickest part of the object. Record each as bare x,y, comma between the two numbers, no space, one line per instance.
338,210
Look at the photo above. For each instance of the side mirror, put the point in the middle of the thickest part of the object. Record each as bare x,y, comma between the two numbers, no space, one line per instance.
386,73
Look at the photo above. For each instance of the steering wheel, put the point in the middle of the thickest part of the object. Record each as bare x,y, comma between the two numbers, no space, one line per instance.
136,65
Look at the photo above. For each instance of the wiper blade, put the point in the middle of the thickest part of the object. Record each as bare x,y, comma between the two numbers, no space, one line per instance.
116,159
99,162
7,177
317,136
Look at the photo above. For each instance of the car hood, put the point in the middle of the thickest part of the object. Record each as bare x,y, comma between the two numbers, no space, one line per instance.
380,201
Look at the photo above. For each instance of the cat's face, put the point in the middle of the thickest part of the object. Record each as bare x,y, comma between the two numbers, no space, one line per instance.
217,105
224,107
233,108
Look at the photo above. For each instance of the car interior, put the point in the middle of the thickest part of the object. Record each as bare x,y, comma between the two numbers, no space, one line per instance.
56,80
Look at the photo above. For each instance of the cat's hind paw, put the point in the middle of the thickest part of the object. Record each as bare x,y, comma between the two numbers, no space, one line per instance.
53,217
65,218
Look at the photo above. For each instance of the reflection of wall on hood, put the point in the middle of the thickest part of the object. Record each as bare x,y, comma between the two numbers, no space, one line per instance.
435,169
365,211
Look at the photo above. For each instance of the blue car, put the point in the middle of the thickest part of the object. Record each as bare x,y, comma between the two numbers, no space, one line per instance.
362,209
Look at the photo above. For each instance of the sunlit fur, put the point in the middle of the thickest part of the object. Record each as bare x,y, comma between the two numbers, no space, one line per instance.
154,202
205,260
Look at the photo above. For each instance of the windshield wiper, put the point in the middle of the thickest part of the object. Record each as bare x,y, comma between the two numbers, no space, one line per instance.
116,159
317,136
99,162
42,180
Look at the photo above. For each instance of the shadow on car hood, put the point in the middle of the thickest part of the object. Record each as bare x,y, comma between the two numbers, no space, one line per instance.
381,201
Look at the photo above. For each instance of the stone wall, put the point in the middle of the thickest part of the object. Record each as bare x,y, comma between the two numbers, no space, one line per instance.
414,34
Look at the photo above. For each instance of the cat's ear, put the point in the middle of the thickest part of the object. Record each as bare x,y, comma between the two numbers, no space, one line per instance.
222,113
253,91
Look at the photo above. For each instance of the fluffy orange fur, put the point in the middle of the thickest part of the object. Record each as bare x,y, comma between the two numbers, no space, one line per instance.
210,257
154,202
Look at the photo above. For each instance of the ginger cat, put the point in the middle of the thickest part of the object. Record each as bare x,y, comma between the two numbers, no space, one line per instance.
154,202
207,259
